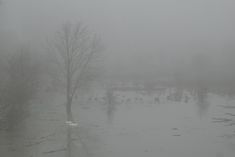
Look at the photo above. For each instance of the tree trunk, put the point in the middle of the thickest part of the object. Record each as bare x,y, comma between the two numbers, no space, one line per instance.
69,96
69,110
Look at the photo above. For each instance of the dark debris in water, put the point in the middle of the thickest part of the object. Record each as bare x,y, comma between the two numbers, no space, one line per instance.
217,120
54,151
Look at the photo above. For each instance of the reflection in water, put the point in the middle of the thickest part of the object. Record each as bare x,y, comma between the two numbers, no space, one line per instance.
176,113
175,95
111,105
156,117
201,100
75,144
69,142
178,95
12,143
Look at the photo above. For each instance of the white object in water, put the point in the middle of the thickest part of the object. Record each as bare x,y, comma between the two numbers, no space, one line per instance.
70,123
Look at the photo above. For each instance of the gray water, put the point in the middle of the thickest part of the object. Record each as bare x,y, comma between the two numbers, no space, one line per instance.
136,124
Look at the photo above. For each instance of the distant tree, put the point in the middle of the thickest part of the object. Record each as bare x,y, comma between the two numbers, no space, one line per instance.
21,83
75,47
201,65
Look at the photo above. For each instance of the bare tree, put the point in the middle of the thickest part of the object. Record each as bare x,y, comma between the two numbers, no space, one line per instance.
75,47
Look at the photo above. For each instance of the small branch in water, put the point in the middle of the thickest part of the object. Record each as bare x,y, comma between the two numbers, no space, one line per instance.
54,151
45,137
35,143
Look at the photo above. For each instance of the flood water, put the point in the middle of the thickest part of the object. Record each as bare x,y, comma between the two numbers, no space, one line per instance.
164,123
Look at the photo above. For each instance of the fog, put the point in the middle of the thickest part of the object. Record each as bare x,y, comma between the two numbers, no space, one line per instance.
151,55
156,33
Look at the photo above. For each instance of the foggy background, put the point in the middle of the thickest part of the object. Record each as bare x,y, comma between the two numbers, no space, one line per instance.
140,37
165,79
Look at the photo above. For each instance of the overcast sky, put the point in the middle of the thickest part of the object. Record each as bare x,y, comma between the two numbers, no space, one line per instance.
152,33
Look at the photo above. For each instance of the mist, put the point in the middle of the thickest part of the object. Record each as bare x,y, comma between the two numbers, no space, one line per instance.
153,76
158,34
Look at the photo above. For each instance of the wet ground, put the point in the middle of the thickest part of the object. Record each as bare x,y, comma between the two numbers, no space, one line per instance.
136,125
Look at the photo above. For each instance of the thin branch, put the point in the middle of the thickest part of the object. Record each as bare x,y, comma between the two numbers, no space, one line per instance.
55,151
